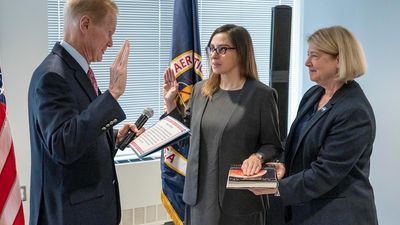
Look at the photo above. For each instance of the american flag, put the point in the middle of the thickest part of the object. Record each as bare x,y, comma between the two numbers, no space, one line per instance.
11,212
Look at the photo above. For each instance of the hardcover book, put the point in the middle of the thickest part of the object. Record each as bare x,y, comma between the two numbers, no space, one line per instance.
162,134
265,178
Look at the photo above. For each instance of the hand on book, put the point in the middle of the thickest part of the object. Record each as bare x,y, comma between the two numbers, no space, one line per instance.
251,165
280,172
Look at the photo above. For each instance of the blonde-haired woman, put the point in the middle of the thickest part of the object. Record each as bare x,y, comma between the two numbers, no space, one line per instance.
329,145
234,119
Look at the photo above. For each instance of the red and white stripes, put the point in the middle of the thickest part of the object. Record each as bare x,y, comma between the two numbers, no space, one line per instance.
11,212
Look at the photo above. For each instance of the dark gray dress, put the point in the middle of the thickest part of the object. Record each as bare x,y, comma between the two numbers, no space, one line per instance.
208,210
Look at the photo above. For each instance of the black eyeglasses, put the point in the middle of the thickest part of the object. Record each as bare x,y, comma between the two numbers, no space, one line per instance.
221,50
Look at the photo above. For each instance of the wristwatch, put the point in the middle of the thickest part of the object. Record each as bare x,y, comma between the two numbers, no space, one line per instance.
259,156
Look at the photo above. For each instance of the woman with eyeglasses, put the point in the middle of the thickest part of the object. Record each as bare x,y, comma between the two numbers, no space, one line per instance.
234,120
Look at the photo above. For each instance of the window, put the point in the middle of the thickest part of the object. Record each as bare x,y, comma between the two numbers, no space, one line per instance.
147,24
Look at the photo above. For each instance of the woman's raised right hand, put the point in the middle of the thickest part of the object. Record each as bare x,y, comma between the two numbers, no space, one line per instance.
170,90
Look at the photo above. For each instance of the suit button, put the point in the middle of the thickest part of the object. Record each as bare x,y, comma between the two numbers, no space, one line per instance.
114,181
107,125
103,128
115,120
111,122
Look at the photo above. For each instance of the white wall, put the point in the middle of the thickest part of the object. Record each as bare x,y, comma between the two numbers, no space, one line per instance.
23,44
376,25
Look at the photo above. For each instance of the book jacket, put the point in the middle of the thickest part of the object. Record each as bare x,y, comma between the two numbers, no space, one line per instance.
265,178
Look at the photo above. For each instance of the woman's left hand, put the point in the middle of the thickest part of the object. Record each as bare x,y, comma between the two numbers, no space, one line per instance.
252,165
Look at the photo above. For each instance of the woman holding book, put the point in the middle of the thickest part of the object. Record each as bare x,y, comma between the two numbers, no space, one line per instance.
234,120
329,145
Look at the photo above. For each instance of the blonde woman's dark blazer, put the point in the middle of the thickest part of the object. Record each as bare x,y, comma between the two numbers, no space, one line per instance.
332,187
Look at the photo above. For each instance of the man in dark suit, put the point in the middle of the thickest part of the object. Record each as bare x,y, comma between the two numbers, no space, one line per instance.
73,178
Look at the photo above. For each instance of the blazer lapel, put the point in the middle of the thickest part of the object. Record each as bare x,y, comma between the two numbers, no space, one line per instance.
247,87
307,106
203,101
311,103
196,111
84,81
302,111
79,75
197,114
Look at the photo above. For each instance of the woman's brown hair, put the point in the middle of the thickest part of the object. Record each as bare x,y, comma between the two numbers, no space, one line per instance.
241,41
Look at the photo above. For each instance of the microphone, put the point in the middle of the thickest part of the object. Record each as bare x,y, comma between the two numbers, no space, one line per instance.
147,113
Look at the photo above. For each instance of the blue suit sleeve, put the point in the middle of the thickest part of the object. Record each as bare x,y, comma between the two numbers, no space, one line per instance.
70,128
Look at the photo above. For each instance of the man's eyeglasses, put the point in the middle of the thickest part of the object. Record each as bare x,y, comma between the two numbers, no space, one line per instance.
221,50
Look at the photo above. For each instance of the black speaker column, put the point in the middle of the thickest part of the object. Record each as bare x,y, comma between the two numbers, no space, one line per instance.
280,61
279,80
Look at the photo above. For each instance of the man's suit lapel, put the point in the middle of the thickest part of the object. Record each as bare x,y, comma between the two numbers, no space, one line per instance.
80,75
